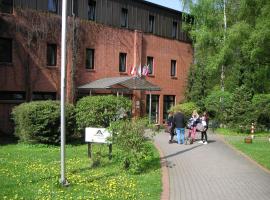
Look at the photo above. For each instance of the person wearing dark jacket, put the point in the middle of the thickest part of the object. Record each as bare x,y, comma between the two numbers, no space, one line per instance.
170,126
179,124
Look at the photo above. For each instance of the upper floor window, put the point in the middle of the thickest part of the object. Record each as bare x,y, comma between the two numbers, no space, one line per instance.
174,30
12,95
52,5
6,6
173,67
5,50
122,62
51,54
151,23
124,17
91,10
90,55
150,63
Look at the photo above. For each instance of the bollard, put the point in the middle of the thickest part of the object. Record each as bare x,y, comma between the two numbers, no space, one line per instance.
252,130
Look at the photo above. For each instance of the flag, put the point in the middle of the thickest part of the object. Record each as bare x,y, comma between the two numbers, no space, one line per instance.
133,70
139,71
145,70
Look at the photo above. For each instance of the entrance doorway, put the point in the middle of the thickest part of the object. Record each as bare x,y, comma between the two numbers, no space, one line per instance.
154,107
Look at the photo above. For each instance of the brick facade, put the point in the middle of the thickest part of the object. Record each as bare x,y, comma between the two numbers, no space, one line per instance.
29,72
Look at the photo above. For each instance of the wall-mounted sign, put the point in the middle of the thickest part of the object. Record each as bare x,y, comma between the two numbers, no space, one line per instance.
97,135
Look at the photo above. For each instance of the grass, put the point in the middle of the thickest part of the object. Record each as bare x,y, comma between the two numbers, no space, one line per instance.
258,150
33,172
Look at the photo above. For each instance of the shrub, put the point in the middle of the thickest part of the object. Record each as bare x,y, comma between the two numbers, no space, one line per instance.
100,111
39,121
185,108
241,115
129,137
217,104
261,108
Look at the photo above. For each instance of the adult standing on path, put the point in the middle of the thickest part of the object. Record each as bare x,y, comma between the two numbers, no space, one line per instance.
179,124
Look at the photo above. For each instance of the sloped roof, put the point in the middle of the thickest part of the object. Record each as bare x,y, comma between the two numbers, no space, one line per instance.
132,83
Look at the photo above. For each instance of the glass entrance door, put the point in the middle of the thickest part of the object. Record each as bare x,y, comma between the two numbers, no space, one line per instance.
154,107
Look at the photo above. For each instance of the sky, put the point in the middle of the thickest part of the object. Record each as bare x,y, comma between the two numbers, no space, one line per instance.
173,4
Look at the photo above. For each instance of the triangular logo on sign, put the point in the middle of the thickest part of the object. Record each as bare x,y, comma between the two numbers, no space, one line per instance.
99,133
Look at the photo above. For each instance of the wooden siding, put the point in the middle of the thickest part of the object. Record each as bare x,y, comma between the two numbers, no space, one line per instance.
108,12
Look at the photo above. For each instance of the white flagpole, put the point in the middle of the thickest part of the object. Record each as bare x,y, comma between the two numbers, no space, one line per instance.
63,180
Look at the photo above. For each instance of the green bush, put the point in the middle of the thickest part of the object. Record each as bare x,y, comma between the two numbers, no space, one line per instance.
100,111
185,108
39,122
128,135
261,110
217,104
241,115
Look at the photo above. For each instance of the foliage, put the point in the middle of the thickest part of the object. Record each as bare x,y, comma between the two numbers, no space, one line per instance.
241,115
39,121
100,111
261,108
129,137
215,108
32,172
242,48
185,108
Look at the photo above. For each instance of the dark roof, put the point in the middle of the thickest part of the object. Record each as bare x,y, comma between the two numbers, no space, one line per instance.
126,82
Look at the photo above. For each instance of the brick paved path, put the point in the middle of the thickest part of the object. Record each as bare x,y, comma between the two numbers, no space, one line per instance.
211,172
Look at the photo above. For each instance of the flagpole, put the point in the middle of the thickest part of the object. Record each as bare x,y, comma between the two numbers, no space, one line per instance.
63,180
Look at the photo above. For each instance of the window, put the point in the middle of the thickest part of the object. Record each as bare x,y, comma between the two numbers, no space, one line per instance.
124,17
168,102
74,8
154,107
44,96
174,30
5,50
122,62
51,54
11,95
52,6
173,67
6,6
151,23
90,56
91,10
150,63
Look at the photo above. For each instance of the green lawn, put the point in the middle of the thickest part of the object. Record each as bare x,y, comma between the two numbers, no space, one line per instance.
33,171
259,150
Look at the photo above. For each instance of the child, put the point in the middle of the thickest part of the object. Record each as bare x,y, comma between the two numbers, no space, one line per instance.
204,120
192,123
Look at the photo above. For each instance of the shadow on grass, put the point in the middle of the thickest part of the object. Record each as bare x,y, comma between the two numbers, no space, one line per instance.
6,140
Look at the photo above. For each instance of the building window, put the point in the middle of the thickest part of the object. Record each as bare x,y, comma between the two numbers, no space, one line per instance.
6,6
5,50
154,107
174,30
150,63
90,56
51,54
11,95
168,102
151,23
92,10
44,96
122,62
74,8
52,6
124,17
173,67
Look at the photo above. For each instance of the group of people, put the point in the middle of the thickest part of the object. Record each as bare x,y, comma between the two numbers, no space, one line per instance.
176,125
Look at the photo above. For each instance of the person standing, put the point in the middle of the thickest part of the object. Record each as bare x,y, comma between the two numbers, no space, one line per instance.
194,120
170,126
205,121
179,124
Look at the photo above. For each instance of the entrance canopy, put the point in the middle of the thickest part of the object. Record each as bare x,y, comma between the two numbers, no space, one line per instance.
131,83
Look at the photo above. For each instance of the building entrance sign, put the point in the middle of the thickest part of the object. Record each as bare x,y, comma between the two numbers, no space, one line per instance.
97,135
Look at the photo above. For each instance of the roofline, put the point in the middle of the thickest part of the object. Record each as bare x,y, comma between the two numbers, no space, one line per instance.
160,6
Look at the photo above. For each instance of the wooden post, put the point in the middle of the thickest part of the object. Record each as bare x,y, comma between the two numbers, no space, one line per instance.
110,151
89,149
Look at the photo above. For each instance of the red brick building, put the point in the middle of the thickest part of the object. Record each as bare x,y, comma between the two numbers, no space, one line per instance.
106,38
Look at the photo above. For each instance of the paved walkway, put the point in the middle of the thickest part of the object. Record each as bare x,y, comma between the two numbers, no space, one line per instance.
210,172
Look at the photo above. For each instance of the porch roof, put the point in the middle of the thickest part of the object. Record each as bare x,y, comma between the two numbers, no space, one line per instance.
126,82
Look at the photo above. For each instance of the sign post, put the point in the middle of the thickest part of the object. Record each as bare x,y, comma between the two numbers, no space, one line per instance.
97,135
